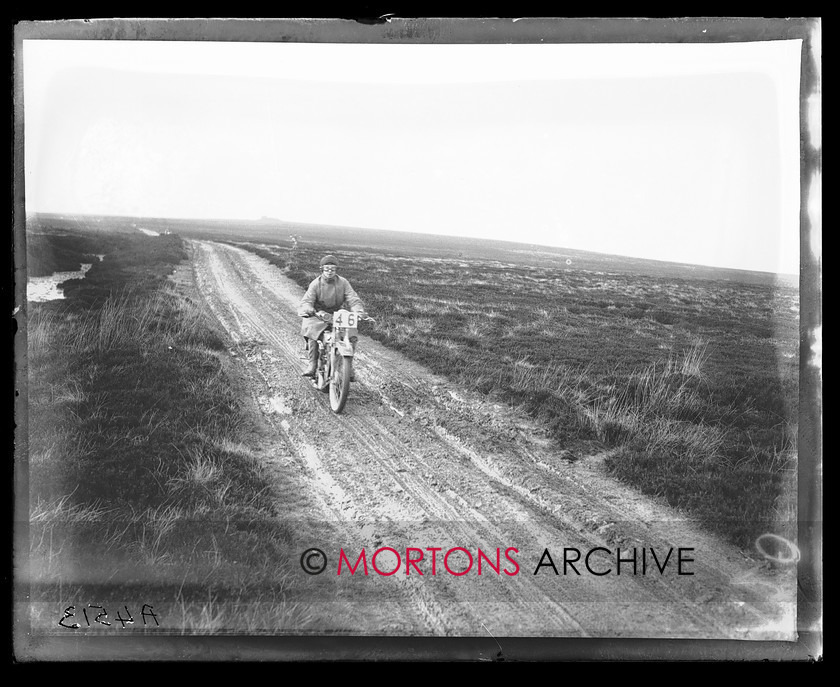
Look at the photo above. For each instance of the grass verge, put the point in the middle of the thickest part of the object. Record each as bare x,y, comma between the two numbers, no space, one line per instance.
146,482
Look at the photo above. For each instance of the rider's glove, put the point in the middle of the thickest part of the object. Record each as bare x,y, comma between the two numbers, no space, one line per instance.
309,312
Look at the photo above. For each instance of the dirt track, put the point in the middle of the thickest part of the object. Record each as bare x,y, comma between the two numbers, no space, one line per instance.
415,461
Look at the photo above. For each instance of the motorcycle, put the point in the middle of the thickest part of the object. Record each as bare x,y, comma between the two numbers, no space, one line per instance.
335,357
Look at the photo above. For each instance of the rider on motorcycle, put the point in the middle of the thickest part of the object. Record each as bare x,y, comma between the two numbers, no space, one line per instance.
326,294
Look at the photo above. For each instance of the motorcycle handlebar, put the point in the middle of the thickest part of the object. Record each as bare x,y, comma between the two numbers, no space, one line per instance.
366,318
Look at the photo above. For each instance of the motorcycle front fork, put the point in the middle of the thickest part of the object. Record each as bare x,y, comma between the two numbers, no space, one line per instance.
322,351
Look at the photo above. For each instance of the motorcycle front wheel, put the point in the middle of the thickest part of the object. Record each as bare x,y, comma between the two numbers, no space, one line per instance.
342,369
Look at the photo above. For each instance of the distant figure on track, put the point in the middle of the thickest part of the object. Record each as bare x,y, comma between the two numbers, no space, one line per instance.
326,294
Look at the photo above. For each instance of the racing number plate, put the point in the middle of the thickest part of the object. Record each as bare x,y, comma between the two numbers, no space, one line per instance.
345,318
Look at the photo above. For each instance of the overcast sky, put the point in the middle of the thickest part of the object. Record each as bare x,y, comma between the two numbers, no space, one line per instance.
685,152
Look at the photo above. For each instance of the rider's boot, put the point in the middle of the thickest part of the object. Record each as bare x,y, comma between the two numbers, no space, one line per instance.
353,340
312,352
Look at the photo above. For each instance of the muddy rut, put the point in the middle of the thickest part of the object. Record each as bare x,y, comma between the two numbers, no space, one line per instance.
414,461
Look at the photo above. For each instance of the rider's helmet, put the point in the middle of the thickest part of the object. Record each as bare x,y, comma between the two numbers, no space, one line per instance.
329,260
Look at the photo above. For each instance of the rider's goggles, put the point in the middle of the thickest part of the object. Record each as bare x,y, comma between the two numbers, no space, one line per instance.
329,268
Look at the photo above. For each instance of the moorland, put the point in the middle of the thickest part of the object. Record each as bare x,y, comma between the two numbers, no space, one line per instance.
682,379
685,377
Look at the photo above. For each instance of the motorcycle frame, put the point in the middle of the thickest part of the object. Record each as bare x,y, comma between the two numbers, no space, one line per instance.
335,341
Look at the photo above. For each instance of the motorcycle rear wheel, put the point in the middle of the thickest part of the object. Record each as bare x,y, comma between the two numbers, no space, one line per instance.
342,369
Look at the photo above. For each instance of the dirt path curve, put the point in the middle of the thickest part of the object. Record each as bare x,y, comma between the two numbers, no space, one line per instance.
416,462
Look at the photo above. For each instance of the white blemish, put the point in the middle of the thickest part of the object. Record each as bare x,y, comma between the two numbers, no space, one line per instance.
42,289
148,232
816,347
815,213
278,406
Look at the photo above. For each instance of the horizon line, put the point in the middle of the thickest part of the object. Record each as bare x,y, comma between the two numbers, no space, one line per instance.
265,218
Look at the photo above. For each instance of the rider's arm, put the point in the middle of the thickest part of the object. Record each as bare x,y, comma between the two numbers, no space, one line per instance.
307,303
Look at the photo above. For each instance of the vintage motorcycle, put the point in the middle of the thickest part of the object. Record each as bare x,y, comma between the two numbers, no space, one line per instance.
335,357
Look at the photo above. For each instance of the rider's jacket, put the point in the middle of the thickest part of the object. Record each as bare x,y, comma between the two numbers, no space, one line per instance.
329,297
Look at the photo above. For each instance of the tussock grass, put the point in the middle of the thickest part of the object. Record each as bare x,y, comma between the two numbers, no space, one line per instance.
61,509
122,320
143,482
